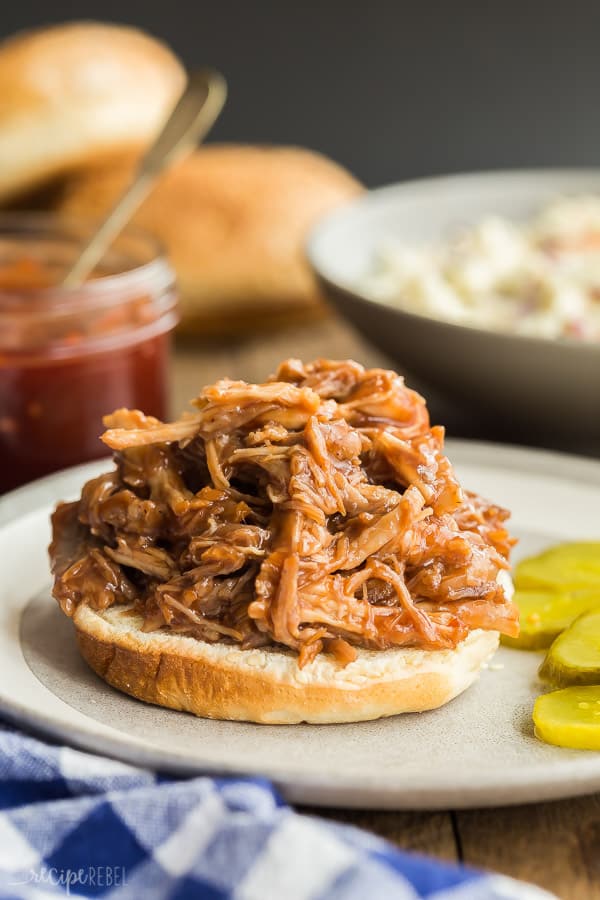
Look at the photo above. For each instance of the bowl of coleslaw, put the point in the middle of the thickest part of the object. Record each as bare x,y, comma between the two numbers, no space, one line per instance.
485,286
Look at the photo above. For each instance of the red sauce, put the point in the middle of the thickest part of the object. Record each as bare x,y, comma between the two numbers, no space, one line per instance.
60,374
51,411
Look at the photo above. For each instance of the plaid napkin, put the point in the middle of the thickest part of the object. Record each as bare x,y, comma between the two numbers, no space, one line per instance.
74,824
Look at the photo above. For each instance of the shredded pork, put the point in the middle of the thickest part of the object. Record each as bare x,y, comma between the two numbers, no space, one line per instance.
315,512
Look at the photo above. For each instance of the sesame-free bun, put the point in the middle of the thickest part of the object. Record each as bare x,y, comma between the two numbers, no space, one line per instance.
222,681
69,94
234,220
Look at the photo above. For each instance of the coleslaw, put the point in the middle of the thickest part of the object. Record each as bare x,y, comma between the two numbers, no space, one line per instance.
540,278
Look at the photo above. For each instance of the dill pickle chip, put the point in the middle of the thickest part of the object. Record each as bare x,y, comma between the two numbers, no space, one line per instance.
574,657
566,567
569,718
544,615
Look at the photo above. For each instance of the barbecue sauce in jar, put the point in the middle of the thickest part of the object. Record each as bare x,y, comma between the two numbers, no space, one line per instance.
69,356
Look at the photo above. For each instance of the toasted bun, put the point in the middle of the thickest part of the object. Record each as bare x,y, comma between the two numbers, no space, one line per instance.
72,93
221,681
234,220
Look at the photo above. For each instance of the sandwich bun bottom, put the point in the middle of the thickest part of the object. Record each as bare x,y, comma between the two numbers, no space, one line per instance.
222,681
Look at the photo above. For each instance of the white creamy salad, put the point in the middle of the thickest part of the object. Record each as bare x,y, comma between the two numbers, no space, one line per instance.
540,278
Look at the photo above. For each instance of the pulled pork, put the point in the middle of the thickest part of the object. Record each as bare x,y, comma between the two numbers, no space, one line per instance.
315,512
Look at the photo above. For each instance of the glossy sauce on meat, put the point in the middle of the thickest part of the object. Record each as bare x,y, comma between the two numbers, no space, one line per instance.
315,512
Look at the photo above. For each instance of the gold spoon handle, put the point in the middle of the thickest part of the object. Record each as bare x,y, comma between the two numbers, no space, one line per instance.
192,118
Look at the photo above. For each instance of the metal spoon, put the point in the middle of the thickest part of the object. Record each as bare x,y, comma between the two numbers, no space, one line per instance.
192,118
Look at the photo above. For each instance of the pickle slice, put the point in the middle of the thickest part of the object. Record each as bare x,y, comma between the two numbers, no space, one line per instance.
566,567
574,657
569,718
544,615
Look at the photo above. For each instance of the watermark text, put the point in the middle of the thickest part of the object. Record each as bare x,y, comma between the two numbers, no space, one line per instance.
90,876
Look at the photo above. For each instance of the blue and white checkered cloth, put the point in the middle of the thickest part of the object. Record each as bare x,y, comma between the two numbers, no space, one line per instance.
74,824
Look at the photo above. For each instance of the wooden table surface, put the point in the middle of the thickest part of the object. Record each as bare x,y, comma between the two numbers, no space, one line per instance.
555,845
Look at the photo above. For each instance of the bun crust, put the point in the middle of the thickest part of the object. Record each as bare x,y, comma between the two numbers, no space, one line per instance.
234,220
221,681
72,93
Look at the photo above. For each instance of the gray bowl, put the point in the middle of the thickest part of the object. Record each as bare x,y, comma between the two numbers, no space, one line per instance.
553,386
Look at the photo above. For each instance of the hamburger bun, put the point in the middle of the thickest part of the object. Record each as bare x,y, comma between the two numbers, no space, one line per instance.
222,681
233,220
72,93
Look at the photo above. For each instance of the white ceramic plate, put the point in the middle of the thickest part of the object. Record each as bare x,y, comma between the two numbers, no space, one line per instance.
478,750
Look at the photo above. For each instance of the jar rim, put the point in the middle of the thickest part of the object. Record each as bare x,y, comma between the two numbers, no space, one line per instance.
154,273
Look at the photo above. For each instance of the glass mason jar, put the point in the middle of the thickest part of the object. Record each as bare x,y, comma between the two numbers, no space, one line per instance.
69,356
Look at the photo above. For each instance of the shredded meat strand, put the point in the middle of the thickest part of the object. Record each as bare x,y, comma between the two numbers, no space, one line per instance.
316,512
